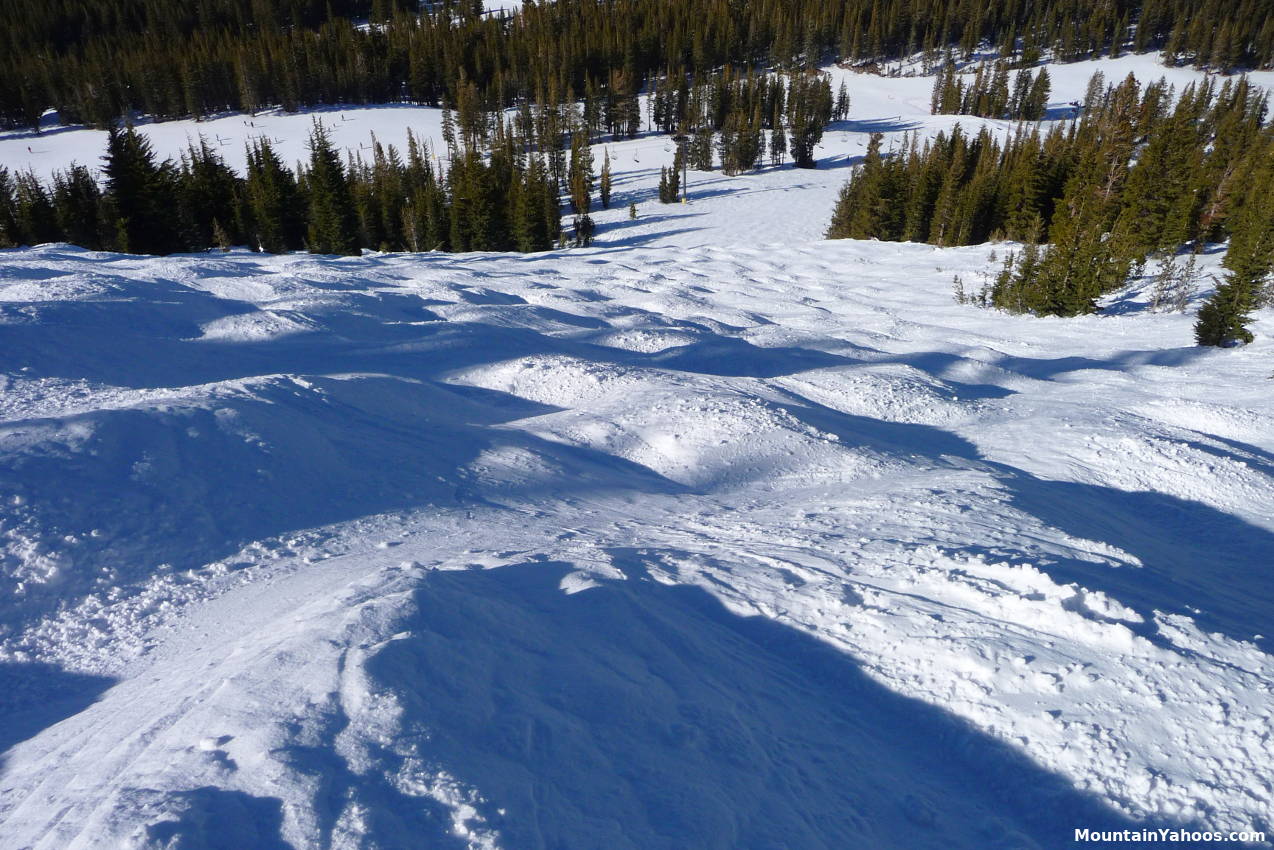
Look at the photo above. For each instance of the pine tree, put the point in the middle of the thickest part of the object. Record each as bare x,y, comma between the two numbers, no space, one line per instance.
809,109
778,145
8,211
670,180
841,112
78,200
333,227
581,174
857,211
939,89
1159,197
603,189
107,58
1035,108
209,192
701,149
532,232
34,213
141,195
1224,317
275,206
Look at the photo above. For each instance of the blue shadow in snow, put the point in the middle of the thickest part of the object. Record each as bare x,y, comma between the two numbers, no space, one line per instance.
734,357
636,714
217,819
35,696
894,124
1196,560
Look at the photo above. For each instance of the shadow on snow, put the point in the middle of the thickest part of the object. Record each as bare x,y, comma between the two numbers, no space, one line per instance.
636,714
35,696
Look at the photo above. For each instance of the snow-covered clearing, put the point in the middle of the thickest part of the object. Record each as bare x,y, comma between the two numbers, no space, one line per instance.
791,204
714,535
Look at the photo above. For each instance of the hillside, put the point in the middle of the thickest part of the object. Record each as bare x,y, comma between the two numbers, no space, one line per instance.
715,534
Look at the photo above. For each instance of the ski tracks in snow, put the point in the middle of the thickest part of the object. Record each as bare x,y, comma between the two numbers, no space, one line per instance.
517,551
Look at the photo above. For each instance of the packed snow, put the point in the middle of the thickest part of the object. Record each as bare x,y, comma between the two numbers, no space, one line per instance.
713,535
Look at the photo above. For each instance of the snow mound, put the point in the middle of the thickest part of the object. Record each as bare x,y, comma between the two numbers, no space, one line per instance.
642,548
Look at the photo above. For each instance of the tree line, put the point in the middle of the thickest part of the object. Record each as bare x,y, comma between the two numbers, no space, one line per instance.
989,95
498,184
1144,171
96,61
506,199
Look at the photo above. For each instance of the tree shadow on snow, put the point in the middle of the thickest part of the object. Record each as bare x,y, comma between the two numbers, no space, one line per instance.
292,454
1197,561
637,240
218,819
35,696
731,356
635,714
1044,368
895,124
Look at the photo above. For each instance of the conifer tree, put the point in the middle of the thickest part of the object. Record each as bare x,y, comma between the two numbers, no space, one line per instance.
275,207
97,61
857,209
532,230
77,200
809,109
426,221
670,180
778,145
141,195
1224,317
700,153
35,215
581,174
1035,107
604,186
476,223
333,228
8,211
209,192
841,112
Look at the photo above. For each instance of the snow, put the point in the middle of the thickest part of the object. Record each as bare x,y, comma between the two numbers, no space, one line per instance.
795,201
712,535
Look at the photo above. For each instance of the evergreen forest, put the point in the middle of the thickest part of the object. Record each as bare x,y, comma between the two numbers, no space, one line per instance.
1144,171
97,61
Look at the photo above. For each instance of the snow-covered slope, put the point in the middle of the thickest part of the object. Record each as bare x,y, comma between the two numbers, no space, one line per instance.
770,546
714,535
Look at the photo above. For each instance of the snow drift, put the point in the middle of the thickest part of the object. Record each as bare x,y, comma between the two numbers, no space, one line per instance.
768,547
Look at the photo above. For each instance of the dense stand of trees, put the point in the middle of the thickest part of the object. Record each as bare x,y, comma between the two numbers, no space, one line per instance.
95,61
732,113
1136,175
1144,171
499,185
989,94
503,199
